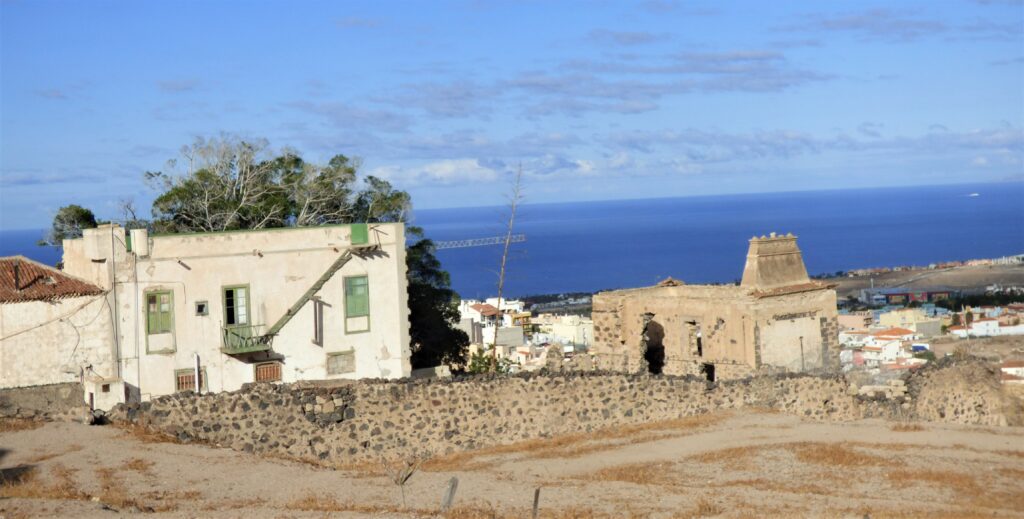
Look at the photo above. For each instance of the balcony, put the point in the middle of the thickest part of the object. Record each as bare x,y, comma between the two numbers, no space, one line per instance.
240,339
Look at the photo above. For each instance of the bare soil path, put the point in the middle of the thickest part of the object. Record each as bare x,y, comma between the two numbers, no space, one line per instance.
738,464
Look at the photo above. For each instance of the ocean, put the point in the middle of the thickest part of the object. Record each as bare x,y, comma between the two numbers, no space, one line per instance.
590,246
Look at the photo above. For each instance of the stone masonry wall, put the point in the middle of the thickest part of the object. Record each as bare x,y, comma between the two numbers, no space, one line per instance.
51,401
369,420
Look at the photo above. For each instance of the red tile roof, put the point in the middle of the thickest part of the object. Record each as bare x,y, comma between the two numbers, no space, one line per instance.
23,280
485,309
1013,363
893,332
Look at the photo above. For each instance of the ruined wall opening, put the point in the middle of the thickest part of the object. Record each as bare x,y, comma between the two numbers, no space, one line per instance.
695,339
653,341
708,370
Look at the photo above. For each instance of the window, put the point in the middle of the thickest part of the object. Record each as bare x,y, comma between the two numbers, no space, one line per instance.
202,308
236,305
341,363
159,312
357,296
268,372
185,379
318,322
357,304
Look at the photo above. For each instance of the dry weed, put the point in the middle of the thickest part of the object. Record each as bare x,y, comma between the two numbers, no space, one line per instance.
707,508
18,424
139,465
576,444
907,427
637,473
234,504
145,434
30,486
777,486
960,483
312,502
836,455
735,458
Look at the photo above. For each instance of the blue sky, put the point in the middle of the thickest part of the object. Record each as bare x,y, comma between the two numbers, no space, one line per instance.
596,100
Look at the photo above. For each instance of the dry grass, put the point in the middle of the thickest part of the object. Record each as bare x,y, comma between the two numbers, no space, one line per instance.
775,486
637,473
312,502
30,486
907,427
234,504
958,482
735,458
707,508
145,434
574,445
837,455
139,465
18,424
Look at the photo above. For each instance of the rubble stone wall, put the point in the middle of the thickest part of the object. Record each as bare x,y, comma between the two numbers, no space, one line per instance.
51,401
370,420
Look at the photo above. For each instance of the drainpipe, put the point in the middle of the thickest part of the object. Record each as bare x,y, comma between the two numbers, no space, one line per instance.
199,385
117,322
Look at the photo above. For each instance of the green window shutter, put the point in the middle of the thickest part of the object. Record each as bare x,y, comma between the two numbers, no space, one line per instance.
360,234
152,317
159,312
357,296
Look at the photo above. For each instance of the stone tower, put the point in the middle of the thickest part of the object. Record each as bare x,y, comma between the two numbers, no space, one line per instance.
774,262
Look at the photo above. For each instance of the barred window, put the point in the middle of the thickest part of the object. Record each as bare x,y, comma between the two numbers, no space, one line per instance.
268,372
185,379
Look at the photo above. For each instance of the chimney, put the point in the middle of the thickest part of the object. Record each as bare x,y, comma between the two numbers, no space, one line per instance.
17,276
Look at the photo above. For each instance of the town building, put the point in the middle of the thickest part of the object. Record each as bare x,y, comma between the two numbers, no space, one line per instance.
777,318
904,296
213,311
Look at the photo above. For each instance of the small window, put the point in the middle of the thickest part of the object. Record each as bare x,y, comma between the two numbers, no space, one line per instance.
236,306
341,363
159,312
268,372
105,388
202,308
318,322
185,379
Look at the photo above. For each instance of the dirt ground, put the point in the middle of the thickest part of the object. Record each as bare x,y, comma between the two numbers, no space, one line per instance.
999,348
958,277
736,464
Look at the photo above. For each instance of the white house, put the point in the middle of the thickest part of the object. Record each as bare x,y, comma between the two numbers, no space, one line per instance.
55,328
242,306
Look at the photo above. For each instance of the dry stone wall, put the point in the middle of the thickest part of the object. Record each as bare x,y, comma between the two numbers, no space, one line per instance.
369,420
51,401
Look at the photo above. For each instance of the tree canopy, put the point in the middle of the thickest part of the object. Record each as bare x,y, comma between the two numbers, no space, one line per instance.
228,183
68,224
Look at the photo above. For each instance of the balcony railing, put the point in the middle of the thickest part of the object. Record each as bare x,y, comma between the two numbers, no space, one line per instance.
245,339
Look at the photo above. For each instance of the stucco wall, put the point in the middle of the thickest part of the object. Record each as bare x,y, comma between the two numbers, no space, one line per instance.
369,419
55,342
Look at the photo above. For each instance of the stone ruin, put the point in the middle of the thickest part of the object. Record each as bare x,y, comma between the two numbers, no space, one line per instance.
776,320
